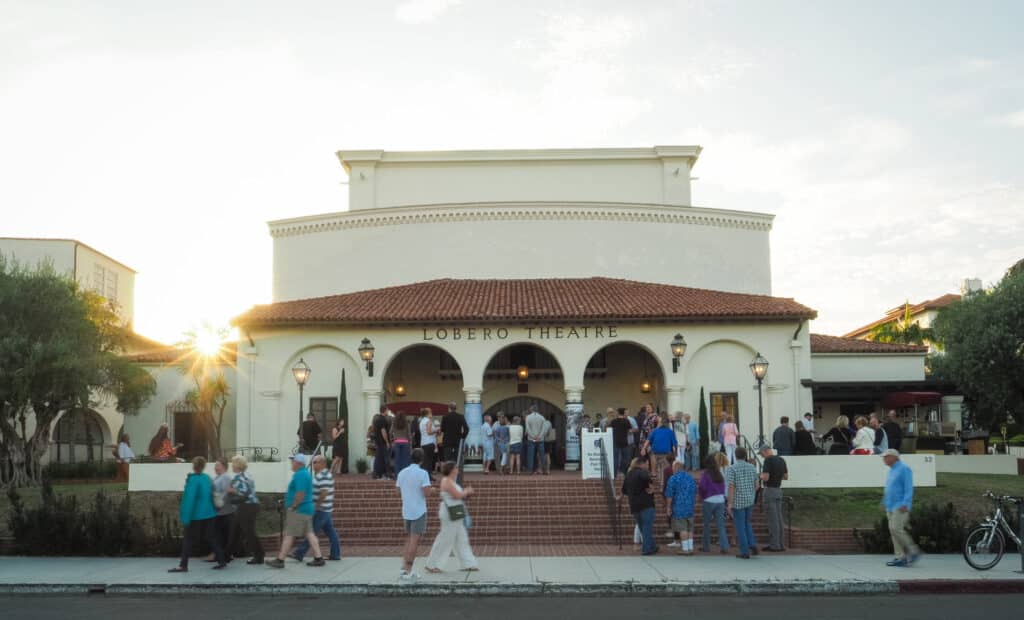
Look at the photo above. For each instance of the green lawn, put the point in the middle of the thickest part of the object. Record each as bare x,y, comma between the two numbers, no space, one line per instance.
142,503
861,507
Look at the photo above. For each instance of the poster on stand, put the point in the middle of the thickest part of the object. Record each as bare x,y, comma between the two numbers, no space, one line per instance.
573,419
590,446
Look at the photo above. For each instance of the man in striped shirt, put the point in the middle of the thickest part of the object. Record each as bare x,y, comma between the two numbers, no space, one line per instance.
323,518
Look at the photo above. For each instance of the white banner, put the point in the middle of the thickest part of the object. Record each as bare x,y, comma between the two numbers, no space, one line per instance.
591,453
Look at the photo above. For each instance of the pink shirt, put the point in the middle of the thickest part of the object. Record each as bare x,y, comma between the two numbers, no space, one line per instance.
729,433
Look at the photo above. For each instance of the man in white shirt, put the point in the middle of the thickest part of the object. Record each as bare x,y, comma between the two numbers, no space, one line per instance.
412,483
428,441
809,422
535,441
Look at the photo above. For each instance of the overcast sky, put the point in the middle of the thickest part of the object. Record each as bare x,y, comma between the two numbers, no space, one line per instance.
886,137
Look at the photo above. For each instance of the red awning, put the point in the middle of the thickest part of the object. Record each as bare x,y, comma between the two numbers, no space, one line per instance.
898,400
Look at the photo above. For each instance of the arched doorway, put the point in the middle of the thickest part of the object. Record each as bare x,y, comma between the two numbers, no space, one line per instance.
78,436
520,405
422,373
623,374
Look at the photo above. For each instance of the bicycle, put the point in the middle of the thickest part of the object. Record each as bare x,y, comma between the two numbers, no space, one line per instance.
985,544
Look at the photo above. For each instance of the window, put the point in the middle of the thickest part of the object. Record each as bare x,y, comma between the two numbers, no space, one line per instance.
104,282
325,412
78,437
727,402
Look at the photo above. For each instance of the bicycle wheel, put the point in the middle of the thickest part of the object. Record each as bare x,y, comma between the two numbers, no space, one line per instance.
984,547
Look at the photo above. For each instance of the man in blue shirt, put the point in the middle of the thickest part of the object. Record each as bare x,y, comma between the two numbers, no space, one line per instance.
899,495
681,491
662,442
298,501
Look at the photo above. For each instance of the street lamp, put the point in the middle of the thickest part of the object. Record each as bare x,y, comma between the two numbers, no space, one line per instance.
301,372
759,366
366,353
678,346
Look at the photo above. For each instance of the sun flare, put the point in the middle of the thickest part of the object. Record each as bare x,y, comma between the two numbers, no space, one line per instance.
208,344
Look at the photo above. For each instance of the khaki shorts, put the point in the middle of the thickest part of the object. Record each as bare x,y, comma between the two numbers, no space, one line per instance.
416,526
683,526
297,525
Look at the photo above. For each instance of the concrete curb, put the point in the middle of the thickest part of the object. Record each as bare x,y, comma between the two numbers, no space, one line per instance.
627,588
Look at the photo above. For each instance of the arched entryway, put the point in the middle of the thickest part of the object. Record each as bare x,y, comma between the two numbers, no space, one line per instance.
623,374
422,373
78,436
520,406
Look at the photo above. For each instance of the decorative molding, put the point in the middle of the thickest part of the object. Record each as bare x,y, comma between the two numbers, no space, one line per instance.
271,394
521,211
691,152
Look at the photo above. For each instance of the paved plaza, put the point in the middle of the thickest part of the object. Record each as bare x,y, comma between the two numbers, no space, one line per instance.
519,575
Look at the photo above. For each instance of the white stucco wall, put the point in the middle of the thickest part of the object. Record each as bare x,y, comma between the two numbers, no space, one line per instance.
718,358
1004,464
867,367
86,261
813,472
685,246
32,252
269,477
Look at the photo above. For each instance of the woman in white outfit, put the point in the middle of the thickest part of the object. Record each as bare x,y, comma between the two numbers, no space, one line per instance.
453,534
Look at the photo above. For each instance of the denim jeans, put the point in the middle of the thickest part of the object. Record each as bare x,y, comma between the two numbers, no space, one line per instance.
694,457
622,458
535,449
645,521
323,522
744,529
714,511
402,456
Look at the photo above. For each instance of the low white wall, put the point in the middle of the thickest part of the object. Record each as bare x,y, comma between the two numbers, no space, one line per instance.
827,471
977,464
269,477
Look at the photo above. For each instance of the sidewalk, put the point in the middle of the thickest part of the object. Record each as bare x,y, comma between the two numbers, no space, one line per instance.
659,575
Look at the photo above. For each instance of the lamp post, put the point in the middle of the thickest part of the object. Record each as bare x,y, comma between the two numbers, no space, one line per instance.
366,354
678,346
301,372
759,366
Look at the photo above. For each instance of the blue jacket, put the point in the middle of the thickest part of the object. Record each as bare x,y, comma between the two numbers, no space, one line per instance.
197,500
899,487
663,440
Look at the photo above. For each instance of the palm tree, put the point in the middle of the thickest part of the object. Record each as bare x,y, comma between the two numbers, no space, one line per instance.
905,330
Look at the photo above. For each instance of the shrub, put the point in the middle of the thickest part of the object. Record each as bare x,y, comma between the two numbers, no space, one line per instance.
936,529
362,466
82,470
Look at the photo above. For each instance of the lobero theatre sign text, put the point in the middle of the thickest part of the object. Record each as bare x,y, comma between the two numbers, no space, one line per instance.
557,332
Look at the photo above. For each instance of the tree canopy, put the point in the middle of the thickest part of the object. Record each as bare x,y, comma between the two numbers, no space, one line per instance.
904,330
983,341
60,350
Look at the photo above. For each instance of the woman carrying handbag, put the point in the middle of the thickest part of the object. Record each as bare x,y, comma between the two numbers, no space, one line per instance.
452,515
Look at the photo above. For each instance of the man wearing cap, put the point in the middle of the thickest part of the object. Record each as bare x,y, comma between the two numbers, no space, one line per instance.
298,502
773,472
899,495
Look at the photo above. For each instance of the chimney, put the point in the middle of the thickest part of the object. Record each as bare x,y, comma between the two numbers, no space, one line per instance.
970,285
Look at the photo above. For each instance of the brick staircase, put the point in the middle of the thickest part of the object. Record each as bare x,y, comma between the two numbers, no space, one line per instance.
557,510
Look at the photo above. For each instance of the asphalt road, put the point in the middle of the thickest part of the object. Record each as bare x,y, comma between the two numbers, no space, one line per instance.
295,607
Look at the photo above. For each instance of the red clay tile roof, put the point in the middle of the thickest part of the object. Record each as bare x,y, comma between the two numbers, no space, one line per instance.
545,300
836,344
169,355
898,312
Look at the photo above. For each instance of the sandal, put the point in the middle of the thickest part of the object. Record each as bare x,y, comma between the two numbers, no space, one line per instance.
431,569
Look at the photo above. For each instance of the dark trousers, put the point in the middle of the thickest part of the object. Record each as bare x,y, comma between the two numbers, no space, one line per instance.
196,530
402,456
381,459
222,530
451,453
243,529
428,458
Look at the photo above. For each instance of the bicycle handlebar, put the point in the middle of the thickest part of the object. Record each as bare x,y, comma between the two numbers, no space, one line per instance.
1003,498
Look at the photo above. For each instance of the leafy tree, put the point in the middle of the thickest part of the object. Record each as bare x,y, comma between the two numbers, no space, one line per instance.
904,330
983,341
702,426
60,350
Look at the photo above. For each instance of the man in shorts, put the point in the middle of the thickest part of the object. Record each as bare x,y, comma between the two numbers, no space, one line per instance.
412,483
298,523
681,493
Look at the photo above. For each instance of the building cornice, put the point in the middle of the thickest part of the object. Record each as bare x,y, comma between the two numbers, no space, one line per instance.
520,211
689,152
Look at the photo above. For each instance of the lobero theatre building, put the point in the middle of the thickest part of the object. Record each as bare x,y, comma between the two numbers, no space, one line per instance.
575,280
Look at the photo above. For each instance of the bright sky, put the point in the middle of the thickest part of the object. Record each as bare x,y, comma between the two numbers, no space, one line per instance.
885,136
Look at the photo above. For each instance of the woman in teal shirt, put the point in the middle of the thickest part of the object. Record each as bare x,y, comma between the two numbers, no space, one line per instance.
197,514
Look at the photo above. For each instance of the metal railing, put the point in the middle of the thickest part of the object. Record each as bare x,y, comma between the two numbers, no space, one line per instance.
751,451
608,478
460,460
257,453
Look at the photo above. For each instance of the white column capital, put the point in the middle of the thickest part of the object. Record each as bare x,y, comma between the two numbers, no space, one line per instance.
574,394
472,394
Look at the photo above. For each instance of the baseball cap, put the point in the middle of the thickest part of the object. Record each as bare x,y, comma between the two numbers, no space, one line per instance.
891,452
299,458
764,446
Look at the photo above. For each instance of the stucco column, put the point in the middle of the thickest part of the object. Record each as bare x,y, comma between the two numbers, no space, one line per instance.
371,398
573,419
675,399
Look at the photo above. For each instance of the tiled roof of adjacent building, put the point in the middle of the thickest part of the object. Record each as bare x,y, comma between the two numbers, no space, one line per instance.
898,312
535,300
837,344
172,355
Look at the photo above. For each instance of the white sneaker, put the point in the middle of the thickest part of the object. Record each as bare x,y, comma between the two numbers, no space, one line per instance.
408,576
674,543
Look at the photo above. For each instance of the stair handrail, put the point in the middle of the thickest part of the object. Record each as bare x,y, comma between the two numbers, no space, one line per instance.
460,460
608,480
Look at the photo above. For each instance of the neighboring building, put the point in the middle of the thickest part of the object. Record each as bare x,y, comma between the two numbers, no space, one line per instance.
91,268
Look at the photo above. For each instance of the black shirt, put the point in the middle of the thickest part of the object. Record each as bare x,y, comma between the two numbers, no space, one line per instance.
775,467
380,424
454,428
635,486
310,432
805,444
620,432
895,434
